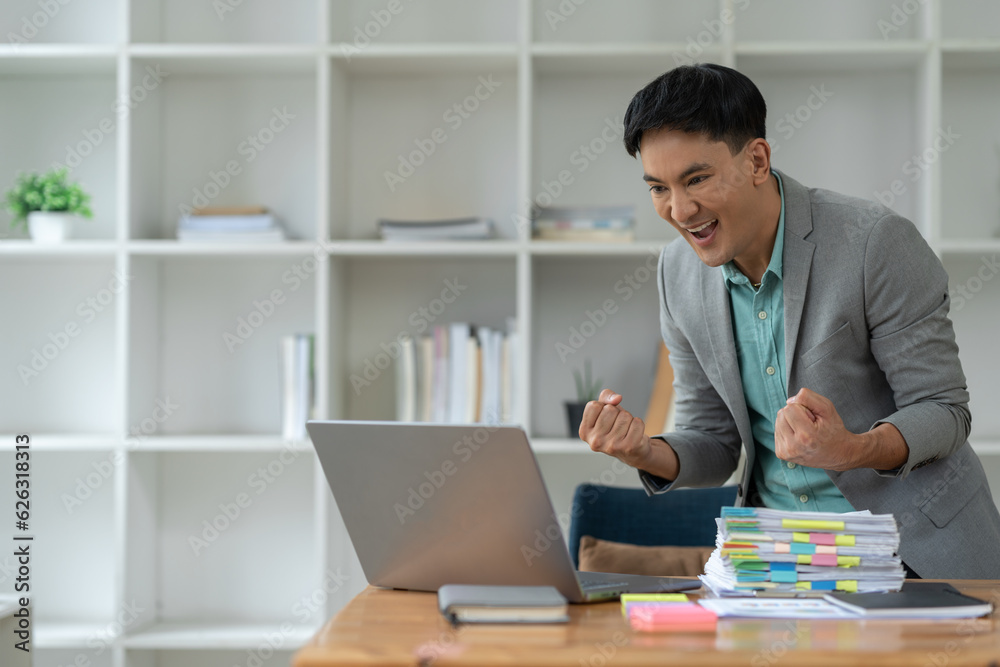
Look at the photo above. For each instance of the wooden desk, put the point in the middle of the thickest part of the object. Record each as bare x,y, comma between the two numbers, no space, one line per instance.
381,627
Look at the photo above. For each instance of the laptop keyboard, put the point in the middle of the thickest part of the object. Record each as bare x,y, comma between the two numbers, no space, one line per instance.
594,584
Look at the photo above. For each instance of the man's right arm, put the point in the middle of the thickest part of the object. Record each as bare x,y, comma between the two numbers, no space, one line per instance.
612,430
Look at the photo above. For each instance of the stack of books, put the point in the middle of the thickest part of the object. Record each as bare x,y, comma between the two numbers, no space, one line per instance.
241,224
585,223
759,549
462,374
455,229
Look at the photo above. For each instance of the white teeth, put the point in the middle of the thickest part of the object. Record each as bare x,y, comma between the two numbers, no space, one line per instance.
698,229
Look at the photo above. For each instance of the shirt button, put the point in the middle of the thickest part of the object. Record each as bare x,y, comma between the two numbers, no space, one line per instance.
803,498
762,315
791,465
769,370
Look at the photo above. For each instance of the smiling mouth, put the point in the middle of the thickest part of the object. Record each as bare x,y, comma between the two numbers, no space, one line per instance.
705,230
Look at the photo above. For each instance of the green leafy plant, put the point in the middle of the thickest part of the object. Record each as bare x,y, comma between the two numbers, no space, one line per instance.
46,192
587,389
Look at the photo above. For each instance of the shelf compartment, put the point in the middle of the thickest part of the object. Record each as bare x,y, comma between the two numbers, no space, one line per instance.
848,20
365,24
389,59
580,159
970,162
200,59
71,248
974,287
385,298
59,345
970,19
75,546
173,248
625,21
493,248
402,149
206,334
196,521
60,22
838,114
582,310
222,140
43,130
181,21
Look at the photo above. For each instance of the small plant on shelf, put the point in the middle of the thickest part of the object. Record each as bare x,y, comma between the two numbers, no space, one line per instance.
587,389
45,204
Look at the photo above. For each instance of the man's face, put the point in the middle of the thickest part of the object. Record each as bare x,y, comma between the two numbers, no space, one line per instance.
704,191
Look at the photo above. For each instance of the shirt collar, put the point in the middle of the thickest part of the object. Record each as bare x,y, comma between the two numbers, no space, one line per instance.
733,276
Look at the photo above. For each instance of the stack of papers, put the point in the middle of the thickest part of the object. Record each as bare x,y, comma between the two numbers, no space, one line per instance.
456,229
759,549
251,224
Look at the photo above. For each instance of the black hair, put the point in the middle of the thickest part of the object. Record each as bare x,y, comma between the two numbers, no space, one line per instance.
708,99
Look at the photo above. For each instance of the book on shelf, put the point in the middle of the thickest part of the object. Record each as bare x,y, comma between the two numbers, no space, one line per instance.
452,229
585,224
240,224
463,603
458,374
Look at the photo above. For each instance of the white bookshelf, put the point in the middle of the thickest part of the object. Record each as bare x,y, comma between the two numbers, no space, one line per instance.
358,105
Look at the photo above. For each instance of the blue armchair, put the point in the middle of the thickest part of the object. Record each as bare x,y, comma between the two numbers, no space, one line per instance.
685,517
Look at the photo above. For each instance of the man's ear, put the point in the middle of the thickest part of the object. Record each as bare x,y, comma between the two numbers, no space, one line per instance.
759,152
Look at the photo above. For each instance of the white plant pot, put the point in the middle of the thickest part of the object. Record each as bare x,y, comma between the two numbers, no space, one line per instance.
50,226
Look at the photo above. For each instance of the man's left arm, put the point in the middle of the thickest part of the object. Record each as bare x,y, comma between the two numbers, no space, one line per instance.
913,342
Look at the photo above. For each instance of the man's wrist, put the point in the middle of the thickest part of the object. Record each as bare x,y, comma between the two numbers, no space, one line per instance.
661,460
882,448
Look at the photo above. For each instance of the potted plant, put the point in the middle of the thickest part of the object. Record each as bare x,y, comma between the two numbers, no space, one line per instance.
587,389
47,204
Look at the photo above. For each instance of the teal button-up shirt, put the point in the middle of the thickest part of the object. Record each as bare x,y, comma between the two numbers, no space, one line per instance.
759,330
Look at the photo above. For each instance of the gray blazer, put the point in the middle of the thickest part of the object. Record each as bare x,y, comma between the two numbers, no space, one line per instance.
866,325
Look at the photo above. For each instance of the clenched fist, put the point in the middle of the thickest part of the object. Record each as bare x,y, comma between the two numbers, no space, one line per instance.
611,430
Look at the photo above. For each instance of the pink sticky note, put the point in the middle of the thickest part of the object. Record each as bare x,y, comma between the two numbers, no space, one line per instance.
823,538
825,559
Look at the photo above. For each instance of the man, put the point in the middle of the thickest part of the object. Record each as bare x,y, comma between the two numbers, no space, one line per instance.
809,327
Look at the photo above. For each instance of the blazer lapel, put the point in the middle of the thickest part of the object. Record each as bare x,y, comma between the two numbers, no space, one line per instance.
796,264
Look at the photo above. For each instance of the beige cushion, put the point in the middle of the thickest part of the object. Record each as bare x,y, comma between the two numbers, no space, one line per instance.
603,556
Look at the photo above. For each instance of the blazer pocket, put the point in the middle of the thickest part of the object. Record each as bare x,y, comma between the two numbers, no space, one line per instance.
947,501
827,345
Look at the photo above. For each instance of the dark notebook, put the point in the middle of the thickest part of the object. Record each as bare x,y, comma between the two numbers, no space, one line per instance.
917,599
502,604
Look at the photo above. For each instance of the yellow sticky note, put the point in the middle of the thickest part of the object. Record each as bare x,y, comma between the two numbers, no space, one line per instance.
844,540
848,561
800,537
847,586
649,597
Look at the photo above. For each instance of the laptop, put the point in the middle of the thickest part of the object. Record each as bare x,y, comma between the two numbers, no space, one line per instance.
432,504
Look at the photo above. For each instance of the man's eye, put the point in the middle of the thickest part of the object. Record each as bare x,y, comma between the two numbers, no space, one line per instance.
696,180
656,189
